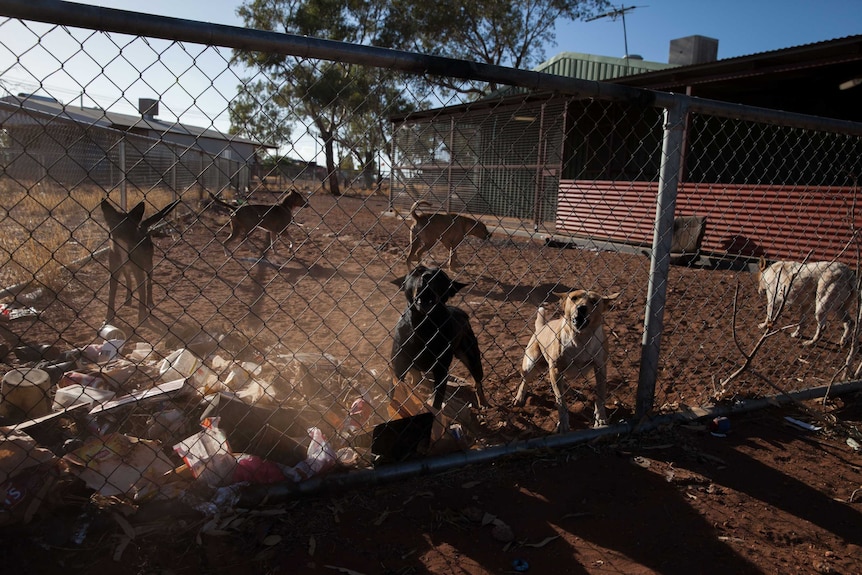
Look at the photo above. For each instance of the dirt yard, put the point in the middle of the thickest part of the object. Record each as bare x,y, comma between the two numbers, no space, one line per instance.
769,497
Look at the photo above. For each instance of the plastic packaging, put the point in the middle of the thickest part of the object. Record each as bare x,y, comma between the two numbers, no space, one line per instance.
182,364
103,352
320,458
359,414
208,454
78,378
141,351
75,394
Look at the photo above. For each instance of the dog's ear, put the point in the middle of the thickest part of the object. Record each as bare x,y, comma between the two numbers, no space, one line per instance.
158,216
136,214
455,287
115,217
761,263
612,297
399,282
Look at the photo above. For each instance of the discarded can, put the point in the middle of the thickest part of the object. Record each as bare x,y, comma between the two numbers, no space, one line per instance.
108,332
24,394
719,426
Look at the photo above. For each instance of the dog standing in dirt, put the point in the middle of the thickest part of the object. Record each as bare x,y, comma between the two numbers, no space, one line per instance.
824,287
130,254
570,346
274,219
449,229
430,333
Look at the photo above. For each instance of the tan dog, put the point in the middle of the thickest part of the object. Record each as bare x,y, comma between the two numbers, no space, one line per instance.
273,219
825,287
130,254
449,229
569,346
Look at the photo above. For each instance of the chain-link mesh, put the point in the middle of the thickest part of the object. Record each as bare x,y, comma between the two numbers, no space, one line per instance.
271,363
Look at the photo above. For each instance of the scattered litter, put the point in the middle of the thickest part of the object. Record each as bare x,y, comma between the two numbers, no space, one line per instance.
208,455
719,427
802,424
520,565
10,312
854,445
641,461
136,467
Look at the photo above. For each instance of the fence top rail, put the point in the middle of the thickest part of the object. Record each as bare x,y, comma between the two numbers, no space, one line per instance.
176,29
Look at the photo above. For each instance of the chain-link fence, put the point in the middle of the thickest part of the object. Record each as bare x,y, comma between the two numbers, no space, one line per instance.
258,363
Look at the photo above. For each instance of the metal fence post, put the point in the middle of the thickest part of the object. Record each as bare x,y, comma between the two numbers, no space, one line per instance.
671,162
123,175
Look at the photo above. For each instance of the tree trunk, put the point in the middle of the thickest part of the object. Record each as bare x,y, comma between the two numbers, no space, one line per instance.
368,169
331,168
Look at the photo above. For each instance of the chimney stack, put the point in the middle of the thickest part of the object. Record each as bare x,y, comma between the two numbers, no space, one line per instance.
148,108
693,50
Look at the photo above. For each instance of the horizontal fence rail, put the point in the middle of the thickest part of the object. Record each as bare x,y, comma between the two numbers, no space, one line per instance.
202,309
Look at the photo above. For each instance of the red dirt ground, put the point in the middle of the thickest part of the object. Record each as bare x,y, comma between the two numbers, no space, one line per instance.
767,498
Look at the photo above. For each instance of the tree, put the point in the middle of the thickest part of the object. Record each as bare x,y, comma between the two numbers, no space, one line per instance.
264,120
328,95
498,32
348,105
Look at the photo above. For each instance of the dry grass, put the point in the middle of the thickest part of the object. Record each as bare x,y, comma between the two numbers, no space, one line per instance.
44,229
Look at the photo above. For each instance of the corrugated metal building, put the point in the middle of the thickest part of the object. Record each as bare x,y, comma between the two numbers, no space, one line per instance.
590,168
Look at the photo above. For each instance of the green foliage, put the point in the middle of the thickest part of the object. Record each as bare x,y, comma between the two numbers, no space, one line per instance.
347,105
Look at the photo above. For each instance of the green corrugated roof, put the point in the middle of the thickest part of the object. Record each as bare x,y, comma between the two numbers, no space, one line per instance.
592,67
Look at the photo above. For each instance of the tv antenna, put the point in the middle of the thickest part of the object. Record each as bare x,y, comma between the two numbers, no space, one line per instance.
613,15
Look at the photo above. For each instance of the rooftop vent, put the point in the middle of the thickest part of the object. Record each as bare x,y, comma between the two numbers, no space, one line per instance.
148,108
693,50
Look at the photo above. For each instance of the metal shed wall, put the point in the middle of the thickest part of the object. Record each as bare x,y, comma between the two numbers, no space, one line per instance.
780,222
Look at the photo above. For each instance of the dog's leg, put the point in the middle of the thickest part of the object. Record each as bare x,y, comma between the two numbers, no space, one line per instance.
127,278
453,260
416,250
237,233
145,295
556,379
441,375
848,324
113,281
532,356
803,320
600,416
272,237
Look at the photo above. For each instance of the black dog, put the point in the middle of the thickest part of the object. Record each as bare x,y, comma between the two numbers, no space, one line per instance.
430,333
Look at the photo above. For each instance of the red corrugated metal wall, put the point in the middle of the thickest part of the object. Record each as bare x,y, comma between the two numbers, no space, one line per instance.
782,222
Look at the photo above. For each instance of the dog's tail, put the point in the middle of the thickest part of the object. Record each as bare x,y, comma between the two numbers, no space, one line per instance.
415,207
543,316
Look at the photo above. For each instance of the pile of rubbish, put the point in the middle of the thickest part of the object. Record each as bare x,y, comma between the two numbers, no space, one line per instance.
133,424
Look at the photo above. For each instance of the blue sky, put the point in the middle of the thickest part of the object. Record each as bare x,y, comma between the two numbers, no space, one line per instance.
41,61
741,27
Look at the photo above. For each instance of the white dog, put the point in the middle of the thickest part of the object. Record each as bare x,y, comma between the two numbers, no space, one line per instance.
825,287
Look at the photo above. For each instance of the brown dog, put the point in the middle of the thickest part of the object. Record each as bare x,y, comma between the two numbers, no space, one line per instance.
130,254
449,229
274,219
569,346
